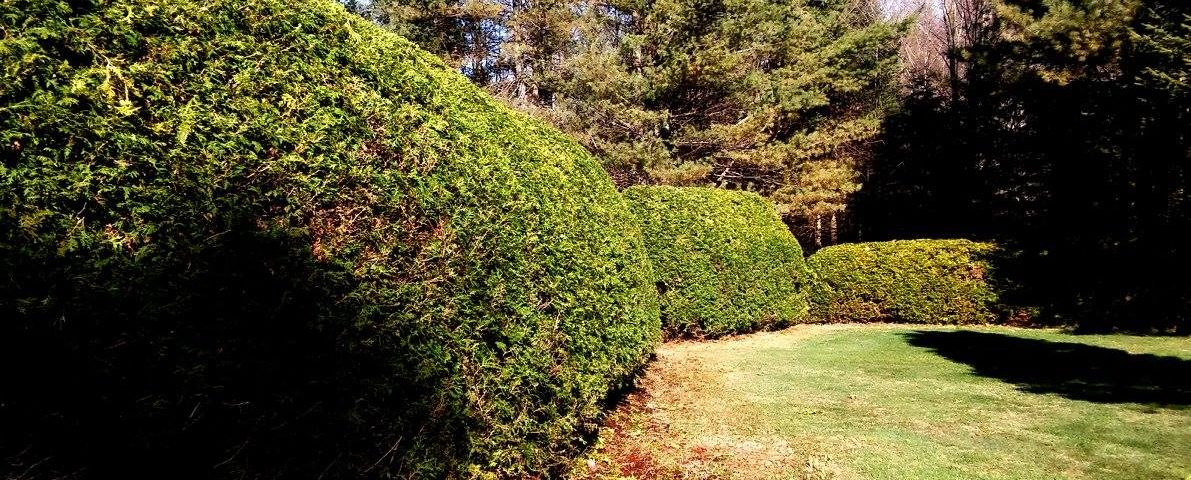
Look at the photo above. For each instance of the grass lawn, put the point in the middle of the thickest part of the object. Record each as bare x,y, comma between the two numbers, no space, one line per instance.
906,402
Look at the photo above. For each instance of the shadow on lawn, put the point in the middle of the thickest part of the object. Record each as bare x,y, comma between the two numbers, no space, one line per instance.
1073,370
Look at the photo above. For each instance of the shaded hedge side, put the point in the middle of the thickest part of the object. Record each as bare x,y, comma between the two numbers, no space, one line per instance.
723,260
915,281
268,239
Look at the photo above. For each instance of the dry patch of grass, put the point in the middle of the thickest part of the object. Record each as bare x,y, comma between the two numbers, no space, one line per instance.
859,401
687,421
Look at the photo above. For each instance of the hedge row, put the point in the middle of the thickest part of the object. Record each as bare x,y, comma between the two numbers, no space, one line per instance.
268,239
915,281
723,261
264,239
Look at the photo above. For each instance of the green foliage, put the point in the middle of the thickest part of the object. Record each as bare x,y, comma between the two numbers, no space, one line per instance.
1163,37
915,281
723,260
513,47
268,239
773,96
781,97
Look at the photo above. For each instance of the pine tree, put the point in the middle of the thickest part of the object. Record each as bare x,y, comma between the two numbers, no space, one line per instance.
1068,139
777,97
465,33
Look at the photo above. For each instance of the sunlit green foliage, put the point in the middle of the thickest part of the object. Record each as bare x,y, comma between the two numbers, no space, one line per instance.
774,96
916,281
780,97
723,260
266,239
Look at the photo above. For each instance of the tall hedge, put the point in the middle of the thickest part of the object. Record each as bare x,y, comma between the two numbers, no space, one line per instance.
915,281
723,261
268,239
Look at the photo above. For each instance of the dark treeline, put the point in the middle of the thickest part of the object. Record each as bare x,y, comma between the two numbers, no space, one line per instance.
1058,128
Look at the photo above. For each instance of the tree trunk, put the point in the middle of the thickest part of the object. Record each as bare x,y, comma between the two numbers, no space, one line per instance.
834,229
818,231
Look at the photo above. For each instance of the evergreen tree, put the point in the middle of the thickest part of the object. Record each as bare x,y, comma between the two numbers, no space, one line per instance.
775,96
778,97
1068,139
465,33
537,36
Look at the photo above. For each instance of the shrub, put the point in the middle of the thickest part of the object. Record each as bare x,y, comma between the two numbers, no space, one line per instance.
269,239
723,260
916,281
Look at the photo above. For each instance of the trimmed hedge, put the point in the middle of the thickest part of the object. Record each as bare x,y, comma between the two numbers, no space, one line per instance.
269,239
723,260
915,281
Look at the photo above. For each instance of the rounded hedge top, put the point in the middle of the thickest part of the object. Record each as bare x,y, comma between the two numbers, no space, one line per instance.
268,238
723,260
917,281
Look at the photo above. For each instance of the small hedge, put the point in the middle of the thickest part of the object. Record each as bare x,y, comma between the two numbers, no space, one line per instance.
723,260
268,239
915,281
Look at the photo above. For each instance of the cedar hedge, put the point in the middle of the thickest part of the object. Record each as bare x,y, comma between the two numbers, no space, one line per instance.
914,281
723,260
268,239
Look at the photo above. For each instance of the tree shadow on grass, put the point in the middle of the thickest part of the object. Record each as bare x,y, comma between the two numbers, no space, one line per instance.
1073,370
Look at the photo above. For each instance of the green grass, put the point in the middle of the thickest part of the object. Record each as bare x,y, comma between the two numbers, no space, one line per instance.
920,402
